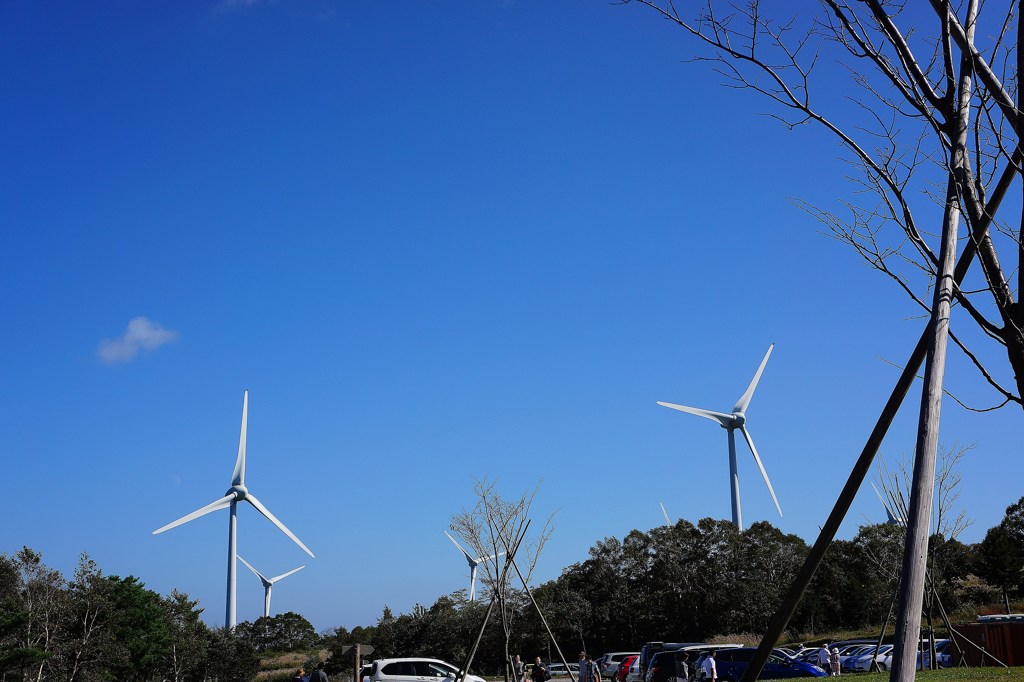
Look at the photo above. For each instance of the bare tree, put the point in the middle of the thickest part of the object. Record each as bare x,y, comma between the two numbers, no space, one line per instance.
898,124
929,117
492,528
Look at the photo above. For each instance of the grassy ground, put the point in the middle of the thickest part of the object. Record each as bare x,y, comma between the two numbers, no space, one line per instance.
952,675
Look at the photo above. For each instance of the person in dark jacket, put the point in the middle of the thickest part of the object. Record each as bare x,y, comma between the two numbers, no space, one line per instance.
318,674
539,673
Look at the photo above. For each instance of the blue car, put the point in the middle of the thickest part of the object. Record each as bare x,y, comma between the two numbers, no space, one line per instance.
732,663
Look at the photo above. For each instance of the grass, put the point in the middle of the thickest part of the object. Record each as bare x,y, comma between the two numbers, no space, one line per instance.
953,675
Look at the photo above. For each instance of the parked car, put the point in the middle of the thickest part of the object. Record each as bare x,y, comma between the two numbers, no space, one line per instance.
634,671
662,667
732,663
559,669
648,650
862,662
852,651
609,663
665,664
808,655
942,654
414,670
624,666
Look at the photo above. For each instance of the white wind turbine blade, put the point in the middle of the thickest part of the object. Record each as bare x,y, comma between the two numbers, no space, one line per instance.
888,512
741,404
899,505
488,558
238,475
202,511
285,575
667,522
764,474
455,542
720,417
251,499
259,575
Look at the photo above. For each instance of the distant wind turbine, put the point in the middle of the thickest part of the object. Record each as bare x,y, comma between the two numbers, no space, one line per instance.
268,583
893,519
235,494
737,419
473,563
667,522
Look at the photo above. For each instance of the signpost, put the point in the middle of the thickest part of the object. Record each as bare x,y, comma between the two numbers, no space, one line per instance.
358,651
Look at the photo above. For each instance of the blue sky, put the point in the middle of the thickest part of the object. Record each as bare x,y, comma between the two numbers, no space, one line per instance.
435,241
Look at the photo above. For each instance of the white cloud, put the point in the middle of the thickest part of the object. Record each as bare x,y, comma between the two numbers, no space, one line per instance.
141,334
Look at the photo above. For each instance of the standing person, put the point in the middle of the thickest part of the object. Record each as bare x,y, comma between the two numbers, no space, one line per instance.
825,659
298,675
517,668
539,673
682,667
318,674
710,669
834,662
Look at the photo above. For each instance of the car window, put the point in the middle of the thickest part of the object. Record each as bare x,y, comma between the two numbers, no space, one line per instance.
776,659
742,655
400,668
437,670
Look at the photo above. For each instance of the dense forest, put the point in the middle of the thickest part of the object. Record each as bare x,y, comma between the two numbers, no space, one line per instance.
683,582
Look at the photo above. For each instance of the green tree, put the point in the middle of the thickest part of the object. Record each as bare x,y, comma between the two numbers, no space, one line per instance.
42,596
283,632
187,635
229,658
1001,553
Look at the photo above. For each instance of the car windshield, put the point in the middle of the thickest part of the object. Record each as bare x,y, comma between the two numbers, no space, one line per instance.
442,670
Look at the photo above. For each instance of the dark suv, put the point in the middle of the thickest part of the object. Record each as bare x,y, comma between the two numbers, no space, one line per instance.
665,664
732,663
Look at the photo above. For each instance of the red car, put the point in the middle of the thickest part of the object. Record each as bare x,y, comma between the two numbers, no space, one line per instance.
624,666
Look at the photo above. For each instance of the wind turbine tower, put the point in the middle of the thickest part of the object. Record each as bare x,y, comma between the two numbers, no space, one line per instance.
736,420
268,583
235,494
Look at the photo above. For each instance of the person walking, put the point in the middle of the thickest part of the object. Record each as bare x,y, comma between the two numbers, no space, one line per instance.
588,669
825,659
682,667
517,669
833,660
710,669
538,673
318,674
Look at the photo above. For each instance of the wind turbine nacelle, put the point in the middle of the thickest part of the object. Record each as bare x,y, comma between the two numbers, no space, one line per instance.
738,420
239,491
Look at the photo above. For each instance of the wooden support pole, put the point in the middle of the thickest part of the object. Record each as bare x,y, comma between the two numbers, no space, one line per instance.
490,608
861,468
544,620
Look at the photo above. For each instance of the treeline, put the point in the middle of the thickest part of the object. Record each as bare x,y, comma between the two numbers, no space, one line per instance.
98,627
683,582
691,582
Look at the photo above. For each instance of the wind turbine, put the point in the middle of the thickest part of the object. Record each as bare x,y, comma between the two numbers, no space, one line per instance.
894,518
268,583
235,494
737,419
473,563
